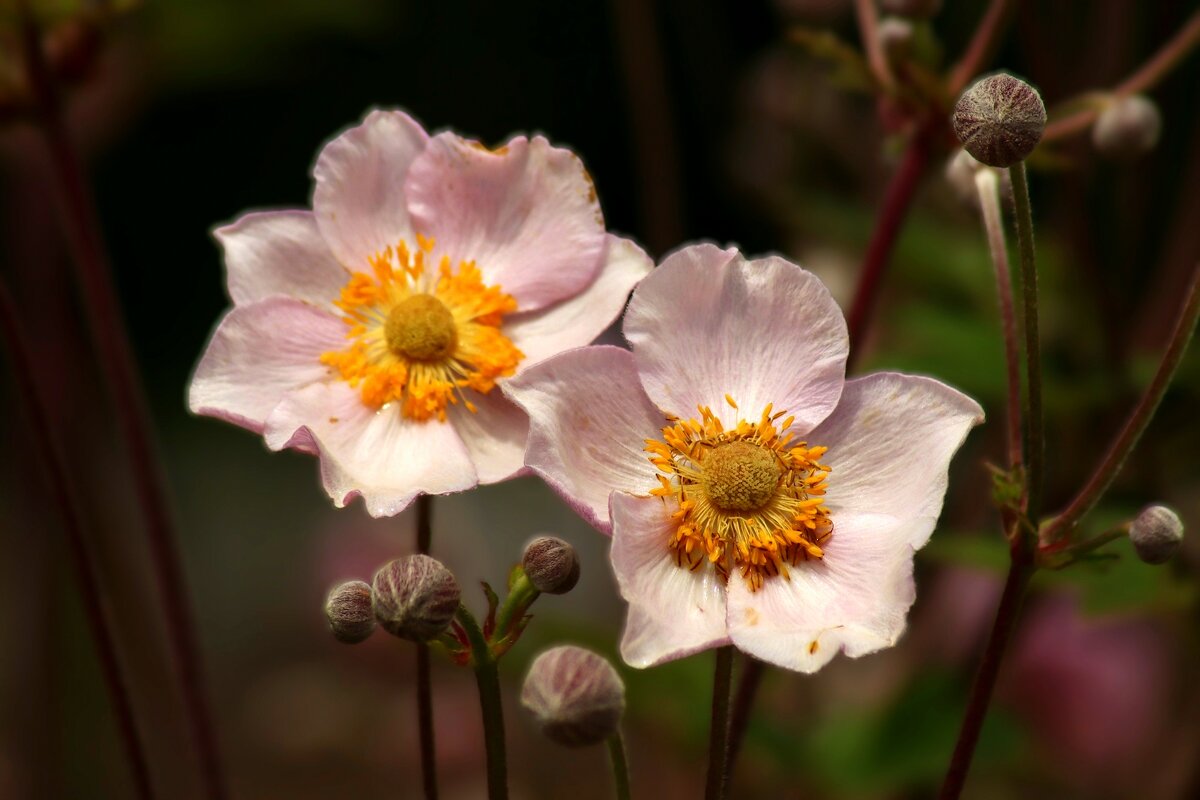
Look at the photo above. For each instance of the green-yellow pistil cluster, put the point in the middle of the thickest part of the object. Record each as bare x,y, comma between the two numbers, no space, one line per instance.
749,499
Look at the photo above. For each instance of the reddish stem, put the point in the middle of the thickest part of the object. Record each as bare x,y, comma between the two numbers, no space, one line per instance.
120,373
983,44
424,679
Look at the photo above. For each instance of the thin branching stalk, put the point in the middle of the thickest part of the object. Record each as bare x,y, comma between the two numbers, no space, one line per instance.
983,44
1035,434
424,681
620,766
96,604
868,30
752,672
717,786
488,679
1106,471
115,359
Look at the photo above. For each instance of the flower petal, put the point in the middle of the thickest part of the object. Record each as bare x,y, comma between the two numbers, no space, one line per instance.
708,323
359,198
890,442
855,599
259,353
580,319
526,213
673,611
279,253
494,435
380,455
589,420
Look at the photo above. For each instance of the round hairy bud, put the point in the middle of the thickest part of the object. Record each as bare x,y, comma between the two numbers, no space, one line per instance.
415,597
551,565
576,696
348,608
999,120
1156,534
1128,127
919,9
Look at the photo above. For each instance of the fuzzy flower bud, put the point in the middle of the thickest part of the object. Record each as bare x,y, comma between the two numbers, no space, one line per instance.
1128,127
999,120
1156,534
551,565
415,597
348,608
576,696
919,9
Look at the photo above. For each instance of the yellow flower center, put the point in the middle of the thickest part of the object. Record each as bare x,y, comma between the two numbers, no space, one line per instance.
420,339
750,500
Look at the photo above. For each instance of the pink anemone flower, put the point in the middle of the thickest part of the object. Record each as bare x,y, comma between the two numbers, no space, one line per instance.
754,495
373,330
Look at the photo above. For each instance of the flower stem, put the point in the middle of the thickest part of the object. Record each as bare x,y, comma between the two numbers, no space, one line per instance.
96,605
896,201
620,766
868,30
1154,70
424,683
743,704
119,370
986,181
983,44
1019,573
717,787
1035,436
488,679
520,596
1121,447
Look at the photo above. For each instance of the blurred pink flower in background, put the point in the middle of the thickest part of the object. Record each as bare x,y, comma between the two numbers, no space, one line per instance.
372,330
732,529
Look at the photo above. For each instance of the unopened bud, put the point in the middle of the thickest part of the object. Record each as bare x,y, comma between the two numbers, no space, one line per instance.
1156,534
1128,127
919,9
576,696
999,120
415,597
896,37
551,565
348,608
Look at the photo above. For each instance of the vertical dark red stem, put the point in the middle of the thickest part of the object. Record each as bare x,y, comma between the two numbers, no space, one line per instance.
96,605
896,201
743,703
120,373
424,682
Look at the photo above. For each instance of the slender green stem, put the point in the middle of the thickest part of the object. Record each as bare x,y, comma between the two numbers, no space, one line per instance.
1102,477
424,678
717,787
96,604
520,596
1065,553
488,679
620,767
1019,573
1035,434
988,184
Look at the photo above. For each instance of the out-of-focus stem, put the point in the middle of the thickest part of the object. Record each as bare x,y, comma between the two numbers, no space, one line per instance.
1102,477
96,605
1035,436
983,44
488,679
424,681
1147,76
717,786
896,201
620,766
1019,573
743,704
120,374
988,185
868,29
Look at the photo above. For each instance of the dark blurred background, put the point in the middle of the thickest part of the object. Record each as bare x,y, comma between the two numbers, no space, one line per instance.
697,120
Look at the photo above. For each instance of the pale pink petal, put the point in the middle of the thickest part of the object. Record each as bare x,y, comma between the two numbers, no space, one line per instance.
580,319
279,253
494,435
589,420
526,213
380,455
707,323
890,442
359,198
259,353
673,611
855,599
